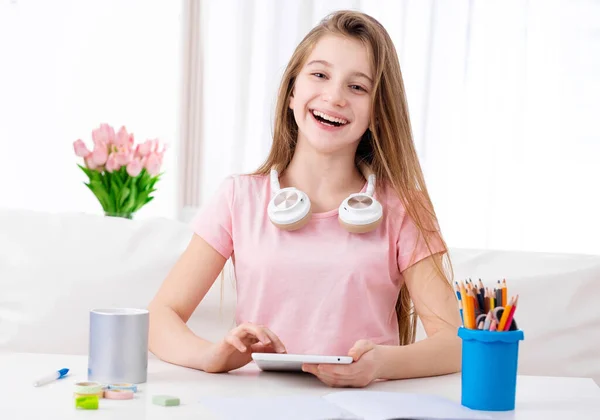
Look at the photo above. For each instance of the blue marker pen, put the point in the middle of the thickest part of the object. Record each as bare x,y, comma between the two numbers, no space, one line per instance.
51,377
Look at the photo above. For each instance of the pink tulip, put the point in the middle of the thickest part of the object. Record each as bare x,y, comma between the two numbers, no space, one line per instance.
134,167
123,156
81,149
123,138
104,134
112,164
145,148
100,153
89,162
153,164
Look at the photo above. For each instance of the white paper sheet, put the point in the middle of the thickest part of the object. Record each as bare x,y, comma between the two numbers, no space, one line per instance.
372,405
295,407
355,405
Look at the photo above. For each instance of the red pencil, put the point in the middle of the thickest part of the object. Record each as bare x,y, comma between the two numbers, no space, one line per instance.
510,315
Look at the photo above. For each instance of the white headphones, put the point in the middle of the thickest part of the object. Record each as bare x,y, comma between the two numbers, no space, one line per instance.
289,208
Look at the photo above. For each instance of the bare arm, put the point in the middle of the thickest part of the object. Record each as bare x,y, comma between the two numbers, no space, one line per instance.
187,283
436,305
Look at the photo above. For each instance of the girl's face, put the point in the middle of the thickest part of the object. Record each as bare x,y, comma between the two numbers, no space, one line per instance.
331,96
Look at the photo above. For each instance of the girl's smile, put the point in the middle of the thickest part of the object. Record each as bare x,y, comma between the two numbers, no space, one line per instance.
328,120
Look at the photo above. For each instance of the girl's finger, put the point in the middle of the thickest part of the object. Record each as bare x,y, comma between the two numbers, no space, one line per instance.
345,371
310,368
262,334
338,381
254,330
261,348
276,342
236,342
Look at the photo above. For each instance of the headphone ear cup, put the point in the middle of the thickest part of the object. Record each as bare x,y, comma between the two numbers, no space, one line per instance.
290,227
360,213
289,209
360,228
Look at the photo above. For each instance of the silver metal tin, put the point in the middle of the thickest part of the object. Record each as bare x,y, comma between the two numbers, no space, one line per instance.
118,345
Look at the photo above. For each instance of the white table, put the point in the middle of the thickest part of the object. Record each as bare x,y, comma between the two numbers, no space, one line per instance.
538,398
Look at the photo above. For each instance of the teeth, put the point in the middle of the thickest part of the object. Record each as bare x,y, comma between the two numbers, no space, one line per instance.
329,117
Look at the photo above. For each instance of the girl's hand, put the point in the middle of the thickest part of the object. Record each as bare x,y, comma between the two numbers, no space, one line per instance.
236,349
360,373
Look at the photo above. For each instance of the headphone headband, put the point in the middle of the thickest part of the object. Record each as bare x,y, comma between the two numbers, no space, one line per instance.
363,167
275,187
290,208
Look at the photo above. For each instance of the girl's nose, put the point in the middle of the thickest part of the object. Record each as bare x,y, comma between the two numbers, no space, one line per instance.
334,96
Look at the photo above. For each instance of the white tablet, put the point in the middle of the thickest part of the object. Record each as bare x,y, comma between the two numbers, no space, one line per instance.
293,362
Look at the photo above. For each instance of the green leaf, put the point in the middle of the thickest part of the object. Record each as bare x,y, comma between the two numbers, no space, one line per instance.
123,196
101,194
118,181
144,178
142,203
106,180
124,176
140,200
85,170
154,180
95,175
115,191
99,197
130,204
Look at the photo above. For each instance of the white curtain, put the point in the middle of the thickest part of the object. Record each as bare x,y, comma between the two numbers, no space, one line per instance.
502,96
67,66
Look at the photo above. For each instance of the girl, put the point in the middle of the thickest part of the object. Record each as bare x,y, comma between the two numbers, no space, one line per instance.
315,276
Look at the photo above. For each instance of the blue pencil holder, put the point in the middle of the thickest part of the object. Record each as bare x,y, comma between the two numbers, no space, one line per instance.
489,368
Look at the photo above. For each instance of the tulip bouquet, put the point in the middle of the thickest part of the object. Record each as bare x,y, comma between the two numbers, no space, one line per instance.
121,175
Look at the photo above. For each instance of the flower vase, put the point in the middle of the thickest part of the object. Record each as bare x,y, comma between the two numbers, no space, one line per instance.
123,215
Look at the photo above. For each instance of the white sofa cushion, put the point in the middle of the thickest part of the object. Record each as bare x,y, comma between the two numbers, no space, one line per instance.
55,268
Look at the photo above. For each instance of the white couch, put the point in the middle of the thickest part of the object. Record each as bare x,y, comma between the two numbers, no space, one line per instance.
54,268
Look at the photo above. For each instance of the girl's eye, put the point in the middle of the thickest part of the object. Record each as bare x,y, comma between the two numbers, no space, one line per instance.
319,75
357,87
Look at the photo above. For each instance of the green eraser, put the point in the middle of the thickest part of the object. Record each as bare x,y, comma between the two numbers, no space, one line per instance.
87,402
166,400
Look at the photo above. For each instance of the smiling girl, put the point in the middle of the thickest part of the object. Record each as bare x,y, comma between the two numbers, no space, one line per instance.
334,239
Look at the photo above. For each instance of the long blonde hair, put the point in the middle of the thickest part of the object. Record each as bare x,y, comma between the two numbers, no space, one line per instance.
387,146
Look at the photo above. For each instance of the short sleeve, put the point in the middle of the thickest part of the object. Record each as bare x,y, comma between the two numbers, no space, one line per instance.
213,222
411,244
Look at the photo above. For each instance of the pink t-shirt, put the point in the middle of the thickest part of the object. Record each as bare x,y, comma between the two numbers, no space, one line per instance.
320,288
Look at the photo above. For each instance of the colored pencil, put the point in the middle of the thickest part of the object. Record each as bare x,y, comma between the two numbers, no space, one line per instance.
476,307
505,314
511,314
504,293
488,321
498,297
465,305
471,311
486,300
